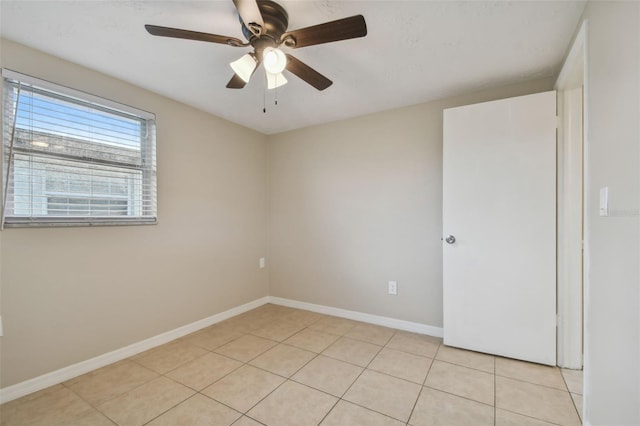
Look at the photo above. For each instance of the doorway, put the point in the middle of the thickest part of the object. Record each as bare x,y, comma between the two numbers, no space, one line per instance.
571,213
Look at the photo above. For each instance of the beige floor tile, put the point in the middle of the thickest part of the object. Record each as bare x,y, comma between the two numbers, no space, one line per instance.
577,401
53,407
94,418
384,394
293,404
201,372
172,355
146,402
530,372
283,360
273,309
573,379
328,375
353,351
255,316
440,408
475,360
507,418
212,337
413,343
371,333
241,327
461,381
243,388
97,371
536,401
247,322
403,365
197,411
305,318
246,348
278,330
334,325
311,340
345,413
246,421
112,381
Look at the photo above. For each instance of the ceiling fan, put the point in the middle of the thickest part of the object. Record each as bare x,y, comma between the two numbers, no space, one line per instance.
264,25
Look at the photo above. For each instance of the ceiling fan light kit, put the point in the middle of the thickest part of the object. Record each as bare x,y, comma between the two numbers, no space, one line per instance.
274,60
275,80
264,25
245,66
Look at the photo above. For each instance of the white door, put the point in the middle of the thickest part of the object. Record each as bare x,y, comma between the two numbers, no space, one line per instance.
499,202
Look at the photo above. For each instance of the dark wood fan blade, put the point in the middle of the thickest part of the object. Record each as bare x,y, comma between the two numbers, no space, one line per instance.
236,82
342,29
251,16
308,74
193,35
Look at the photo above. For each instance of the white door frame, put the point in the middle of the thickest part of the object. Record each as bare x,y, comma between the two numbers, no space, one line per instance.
571,240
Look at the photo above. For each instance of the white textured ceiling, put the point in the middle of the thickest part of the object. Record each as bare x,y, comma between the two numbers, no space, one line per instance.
415,51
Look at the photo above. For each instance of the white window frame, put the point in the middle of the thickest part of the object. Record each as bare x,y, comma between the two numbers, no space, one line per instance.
144,194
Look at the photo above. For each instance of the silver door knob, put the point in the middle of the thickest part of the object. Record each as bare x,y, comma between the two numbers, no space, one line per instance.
450,239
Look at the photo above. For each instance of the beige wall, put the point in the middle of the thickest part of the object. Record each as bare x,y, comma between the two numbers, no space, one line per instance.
74,293
612,293
356,203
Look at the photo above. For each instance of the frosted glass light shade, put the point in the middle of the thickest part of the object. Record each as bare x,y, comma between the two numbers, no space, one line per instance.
275,80
274,60
244,67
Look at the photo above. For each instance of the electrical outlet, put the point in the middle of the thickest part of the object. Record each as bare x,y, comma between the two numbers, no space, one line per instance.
261,263
393,288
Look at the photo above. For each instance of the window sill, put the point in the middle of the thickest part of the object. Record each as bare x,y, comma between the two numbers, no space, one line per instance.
47,222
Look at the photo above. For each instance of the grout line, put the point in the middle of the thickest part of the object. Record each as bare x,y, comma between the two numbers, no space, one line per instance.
571,396
244,415
330,410
372,410
533,418
458,396
93,406
466,366
531,383
169,409
415,404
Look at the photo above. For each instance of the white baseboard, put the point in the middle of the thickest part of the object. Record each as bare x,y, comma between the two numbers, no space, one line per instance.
360,316
58,376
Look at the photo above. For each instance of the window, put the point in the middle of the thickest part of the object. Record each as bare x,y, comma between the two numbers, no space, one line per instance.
70,158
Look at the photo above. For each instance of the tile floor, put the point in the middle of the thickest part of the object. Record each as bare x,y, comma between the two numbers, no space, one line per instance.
280,366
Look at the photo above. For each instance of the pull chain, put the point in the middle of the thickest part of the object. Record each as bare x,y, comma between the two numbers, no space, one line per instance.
264,95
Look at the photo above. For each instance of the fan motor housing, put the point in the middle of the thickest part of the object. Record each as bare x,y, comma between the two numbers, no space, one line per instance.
276,21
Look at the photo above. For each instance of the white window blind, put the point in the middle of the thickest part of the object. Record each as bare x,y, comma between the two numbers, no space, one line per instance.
70,158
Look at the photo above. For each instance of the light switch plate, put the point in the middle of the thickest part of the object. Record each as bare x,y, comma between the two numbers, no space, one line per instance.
604,201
